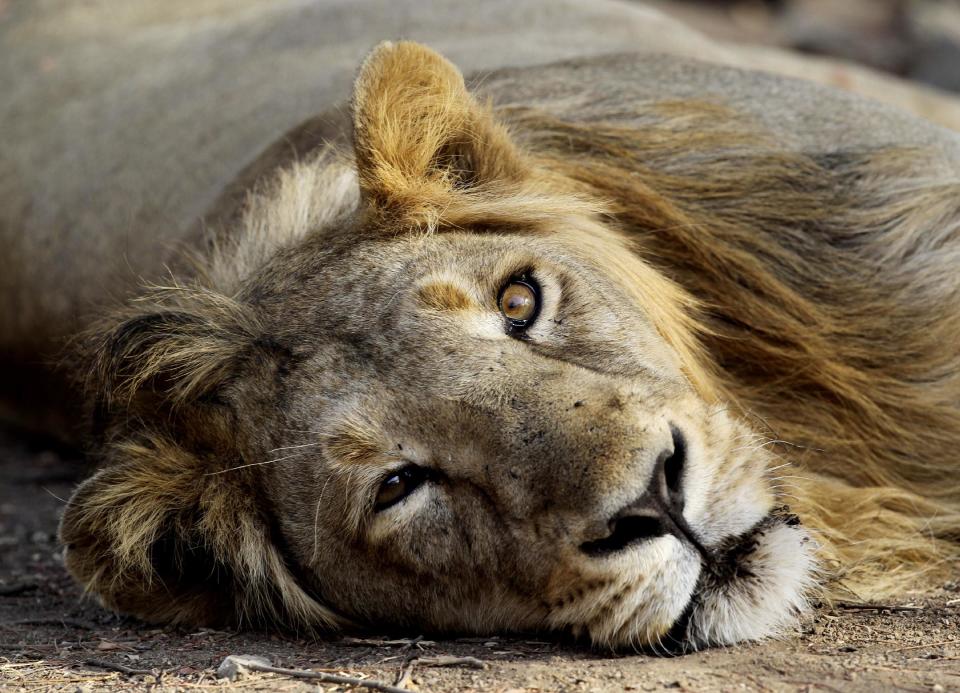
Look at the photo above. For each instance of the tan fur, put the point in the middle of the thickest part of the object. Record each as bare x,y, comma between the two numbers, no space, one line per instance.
445,297
773,306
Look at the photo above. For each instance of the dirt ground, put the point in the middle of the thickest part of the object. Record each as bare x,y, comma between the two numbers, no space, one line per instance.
53,639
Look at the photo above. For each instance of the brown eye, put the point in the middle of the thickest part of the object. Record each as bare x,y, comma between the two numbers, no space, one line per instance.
399,485
520,303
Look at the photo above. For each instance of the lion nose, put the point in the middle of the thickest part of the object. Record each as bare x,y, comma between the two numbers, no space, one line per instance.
657,512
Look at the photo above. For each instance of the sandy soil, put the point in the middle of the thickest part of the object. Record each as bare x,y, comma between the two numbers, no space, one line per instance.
52,639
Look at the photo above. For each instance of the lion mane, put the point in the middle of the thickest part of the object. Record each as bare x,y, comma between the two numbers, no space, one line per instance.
814,296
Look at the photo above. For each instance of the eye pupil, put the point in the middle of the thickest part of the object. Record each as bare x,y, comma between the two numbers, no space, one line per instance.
398,486
519,303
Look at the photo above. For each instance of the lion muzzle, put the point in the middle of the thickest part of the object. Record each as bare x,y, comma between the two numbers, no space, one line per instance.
657,512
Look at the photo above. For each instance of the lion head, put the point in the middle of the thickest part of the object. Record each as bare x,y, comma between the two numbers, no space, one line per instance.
432,387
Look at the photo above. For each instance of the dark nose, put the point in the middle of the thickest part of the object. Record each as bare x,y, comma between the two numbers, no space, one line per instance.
657,512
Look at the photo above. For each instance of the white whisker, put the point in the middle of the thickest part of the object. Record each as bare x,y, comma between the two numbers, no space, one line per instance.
255,464
316,521
292,447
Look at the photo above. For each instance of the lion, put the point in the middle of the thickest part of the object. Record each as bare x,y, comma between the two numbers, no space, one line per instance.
549,356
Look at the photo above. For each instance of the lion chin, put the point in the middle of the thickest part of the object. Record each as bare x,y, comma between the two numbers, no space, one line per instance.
749,587
758,585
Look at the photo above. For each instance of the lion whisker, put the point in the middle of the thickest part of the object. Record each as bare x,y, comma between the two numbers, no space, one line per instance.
770,441
316,521
256,464
780,466
292,447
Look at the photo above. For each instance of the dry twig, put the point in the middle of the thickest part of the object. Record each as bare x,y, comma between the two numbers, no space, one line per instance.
113,666
450,661
37,647
406,673
251,664
403,642
854,606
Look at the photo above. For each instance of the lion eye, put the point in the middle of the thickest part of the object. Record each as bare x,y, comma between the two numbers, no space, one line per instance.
398,486
520,302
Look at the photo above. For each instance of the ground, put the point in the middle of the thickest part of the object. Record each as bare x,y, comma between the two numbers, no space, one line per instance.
53,639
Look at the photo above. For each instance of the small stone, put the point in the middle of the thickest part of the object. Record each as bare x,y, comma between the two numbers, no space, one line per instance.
236,666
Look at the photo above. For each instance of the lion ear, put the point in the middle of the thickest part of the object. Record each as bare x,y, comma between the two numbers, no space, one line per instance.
171,528
133,537
153,534
420,138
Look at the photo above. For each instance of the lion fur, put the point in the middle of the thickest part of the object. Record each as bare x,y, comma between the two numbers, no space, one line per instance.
813,293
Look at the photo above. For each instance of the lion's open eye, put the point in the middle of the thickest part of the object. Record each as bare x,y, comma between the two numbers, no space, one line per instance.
398,485
520,302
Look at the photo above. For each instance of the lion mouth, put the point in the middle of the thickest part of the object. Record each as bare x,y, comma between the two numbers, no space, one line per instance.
729,561
724,567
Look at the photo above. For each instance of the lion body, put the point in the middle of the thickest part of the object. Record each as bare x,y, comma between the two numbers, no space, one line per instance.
806,239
